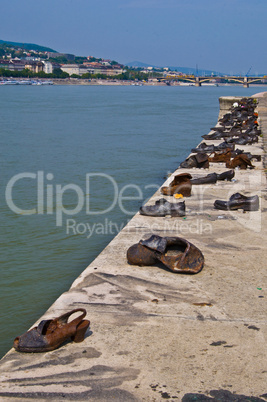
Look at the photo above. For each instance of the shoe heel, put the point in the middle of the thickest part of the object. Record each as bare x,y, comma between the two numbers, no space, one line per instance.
251,208
177,213
185,190
80,331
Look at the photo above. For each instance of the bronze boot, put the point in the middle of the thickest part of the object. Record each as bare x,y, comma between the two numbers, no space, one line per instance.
181,184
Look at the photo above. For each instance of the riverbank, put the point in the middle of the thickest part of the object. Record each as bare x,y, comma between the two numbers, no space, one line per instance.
111,82
155,334
150,82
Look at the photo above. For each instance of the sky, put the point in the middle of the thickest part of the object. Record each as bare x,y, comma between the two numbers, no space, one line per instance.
228,36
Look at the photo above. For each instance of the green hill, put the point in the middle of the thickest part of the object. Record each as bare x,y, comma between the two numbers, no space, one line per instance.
28,46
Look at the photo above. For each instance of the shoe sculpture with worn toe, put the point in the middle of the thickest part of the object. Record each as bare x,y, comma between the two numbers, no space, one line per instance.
200,160
176,253
163,207
180,185
50,334
209,179
238,201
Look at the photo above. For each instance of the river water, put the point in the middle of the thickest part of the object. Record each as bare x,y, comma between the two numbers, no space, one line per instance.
68,156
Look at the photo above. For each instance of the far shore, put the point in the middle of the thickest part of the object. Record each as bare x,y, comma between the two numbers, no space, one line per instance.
77,81
114,82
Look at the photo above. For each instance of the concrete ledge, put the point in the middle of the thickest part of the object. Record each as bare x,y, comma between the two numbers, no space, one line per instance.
158,335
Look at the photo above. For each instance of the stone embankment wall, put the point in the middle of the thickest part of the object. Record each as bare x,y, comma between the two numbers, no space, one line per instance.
262,108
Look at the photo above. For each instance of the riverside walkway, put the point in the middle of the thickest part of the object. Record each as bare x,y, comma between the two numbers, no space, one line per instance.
157,335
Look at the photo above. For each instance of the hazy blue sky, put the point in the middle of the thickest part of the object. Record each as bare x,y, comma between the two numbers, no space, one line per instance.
223,35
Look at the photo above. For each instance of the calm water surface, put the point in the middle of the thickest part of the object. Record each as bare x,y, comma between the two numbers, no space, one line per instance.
129,135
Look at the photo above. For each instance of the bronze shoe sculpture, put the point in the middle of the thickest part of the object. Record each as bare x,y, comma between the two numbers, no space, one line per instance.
238,201
200,160
209,179
224,145
180,185
177,254
217,135
242,161
213,177
253,156
228,175
244,139
223,156
162,208
50,334
203,147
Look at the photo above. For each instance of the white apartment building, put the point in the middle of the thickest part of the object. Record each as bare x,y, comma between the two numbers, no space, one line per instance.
48,67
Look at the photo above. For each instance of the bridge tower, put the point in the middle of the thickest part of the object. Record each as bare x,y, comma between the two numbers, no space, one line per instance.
197,83
245,83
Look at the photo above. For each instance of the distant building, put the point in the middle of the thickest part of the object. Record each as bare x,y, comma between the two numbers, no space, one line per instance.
74,69
54,55
114,71
118,66
93,64
32,58
4,64
48,67
106,70
55,66
16,65
92,68
34,66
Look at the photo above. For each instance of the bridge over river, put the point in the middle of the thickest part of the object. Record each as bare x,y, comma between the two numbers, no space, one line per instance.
198,80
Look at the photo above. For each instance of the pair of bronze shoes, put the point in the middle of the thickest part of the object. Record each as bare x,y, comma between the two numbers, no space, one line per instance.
238,201
175,253
214,177
241,160
203,147
182,183
50,334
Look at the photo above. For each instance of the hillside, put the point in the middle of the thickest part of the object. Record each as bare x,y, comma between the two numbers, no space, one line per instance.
29,46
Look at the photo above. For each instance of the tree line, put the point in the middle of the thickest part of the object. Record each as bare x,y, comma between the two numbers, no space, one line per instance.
128,75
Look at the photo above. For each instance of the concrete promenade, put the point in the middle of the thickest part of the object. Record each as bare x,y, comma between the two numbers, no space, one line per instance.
157,335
